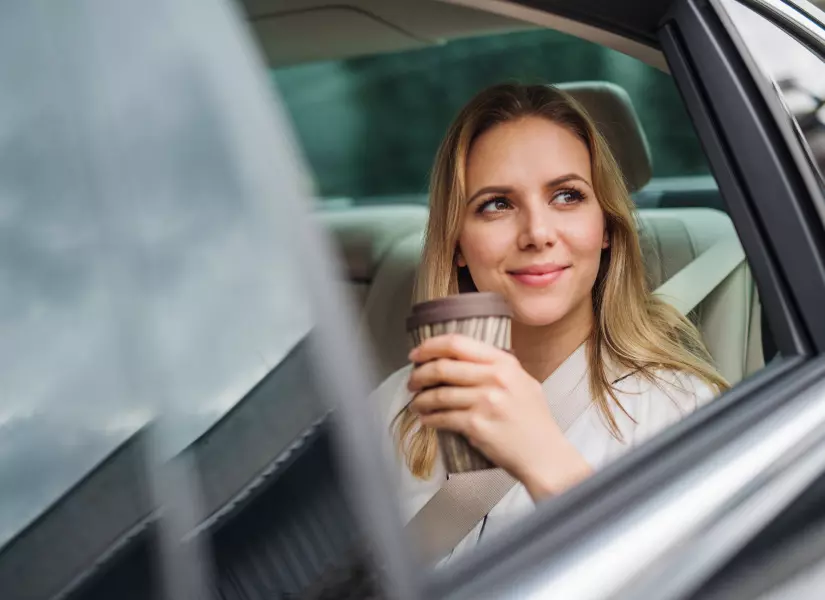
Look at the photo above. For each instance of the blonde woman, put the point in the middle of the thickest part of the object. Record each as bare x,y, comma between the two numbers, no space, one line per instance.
527,200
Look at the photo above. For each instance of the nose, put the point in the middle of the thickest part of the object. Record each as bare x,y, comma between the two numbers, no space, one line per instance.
537,227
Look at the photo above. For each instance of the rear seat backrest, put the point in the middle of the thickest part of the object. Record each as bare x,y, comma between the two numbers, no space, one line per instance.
366,234
671,238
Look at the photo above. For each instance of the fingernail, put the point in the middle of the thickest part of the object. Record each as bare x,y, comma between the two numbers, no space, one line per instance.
413,354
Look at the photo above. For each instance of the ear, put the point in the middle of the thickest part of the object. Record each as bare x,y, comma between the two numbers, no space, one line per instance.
605,239
459,258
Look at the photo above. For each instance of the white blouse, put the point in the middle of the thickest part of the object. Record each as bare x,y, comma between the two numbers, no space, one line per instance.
653,407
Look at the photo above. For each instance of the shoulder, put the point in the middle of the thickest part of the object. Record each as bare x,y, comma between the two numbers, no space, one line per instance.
681,388
392,394
659,399
389,399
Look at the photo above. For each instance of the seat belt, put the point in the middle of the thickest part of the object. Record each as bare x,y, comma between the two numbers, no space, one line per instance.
696,280
466,498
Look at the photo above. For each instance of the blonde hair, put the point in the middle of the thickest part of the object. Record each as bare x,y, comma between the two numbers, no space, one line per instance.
632,328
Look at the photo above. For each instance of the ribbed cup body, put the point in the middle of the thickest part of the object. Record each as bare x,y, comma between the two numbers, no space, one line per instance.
458,455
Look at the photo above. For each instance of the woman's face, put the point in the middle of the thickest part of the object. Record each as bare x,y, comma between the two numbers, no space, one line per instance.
533,228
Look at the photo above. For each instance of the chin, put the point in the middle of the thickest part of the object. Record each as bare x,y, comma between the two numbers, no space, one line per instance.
535,314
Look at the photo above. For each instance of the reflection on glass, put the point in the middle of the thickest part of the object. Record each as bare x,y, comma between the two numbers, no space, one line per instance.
114,266
145,288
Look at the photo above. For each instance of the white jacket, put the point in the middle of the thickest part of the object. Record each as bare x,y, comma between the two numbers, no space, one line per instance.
653,406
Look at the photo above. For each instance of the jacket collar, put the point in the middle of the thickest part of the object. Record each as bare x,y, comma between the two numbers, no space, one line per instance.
567,389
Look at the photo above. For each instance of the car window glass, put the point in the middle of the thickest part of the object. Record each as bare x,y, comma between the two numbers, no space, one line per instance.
797,75
154,312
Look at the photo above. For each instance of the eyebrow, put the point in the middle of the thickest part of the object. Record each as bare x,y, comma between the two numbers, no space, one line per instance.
550,184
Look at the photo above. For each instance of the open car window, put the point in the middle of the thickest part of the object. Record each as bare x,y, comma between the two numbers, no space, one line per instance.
370,126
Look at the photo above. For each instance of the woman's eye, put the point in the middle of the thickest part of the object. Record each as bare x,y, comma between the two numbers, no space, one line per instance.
567,197
494,205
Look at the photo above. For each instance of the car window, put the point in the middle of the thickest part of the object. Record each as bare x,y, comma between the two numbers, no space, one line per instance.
370,126
796,74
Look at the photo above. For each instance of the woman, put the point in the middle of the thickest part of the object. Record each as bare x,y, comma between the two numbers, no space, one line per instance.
527,201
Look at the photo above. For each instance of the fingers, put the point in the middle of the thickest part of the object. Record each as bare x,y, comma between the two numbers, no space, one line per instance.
458,347
444,399
458,421
449,372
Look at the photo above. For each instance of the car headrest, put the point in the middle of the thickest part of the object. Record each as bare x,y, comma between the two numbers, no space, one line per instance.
611,110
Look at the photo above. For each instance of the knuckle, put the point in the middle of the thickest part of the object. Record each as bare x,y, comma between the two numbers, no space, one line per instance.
494,401
500,377
473,425
439,368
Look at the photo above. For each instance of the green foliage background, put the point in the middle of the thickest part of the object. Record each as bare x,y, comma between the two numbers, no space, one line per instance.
370,126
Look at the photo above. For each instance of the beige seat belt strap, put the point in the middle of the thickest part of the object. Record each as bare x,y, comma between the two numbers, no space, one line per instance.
465,498
696,280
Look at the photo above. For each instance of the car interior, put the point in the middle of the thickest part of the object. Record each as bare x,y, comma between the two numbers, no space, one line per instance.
381,246
380,238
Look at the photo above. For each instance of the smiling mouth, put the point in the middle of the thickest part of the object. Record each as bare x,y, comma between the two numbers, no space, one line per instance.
538,276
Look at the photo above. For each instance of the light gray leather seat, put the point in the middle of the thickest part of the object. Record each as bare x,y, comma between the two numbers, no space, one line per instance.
383,274
381,246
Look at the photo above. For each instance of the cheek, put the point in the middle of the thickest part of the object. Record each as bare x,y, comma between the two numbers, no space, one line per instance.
584,236
484,247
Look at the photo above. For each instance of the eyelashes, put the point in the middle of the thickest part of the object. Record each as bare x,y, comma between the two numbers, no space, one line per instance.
562,197
572,194
494,205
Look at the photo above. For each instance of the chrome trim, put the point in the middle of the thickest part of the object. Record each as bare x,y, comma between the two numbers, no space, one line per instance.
810,10
743,484
809,24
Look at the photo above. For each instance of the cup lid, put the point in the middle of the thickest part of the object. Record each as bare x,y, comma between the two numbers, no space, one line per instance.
458,306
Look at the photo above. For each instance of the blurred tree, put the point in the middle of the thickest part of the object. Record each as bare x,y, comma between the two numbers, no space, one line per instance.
370,126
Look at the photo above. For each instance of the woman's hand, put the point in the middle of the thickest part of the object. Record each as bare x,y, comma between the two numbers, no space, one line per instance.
489,398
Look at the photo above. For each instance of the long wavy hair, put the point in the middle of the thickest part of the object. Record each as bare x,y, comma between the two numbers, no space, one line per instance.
632,328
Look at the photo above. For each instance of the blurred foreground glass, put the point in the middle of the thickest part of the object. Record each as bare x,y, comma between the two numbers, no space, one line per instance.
163,422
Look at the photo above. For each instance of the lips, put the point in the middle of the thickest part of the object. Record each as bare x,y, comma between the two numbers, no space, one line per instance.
538,275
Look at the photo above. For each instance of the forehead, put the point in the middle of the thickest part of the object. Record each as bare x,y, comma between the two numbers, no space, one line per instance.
528,151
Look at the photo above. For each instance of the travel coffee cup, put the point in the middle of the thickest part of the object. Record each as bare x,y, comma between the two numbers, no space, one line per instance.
481,315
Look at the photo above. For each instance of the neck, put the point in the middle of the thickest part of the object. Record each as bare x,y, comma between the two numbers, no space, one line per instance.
542,349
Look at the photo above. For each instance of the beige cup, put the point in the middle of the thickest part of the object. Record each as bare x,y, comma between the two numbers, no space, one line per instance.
481,315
